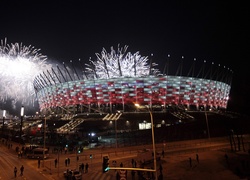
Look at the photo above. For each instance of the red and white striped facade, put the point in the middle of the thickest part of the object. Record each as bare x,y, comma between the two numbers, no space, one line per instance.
151,90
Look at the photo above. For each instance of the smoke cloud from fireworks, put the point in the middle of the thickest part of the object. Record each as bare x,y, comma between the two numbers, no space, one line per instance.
19,64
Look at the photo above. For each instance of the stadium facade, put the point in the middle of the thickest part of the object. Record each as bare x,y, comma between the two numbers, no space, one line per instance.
107,95
163,90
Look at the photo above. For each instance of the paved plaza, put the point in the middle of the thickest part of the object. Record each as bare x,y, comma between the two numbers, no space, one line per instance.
212,164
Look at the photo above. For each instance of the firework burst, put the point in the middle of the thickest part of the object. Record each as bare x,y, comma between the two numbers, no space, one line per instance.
120,63
19,64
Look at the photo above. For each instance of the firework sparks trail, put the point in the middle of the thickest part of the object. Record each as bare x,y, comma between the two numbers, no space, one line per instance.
19,65
119,64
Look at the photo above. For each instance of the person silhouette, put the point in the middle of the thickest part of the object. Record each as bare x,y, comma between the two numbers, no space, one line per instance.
86,167
190,162
15,171
197,158
39,162
21,170
55,162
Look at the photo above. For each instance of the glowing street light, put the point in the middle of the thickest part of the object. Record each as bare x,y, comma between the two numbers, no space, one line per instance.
4,115
153,139
21,124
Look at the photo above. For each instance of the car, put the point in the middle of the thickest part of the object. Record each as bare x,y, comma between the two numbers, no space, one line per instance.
74,174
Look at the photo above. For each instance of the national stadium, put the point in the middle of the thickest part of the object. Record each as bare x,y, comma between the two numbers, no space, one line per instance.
123,86
118,80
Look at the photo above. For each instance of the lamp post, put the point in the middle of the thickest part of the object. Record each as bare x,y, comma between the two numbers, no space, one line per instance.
21,125
208,132
116,134
153,140
4,115
44,139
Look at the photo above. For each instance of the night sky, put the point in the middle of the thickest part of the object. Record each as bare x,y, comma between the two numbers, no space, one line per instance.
215,31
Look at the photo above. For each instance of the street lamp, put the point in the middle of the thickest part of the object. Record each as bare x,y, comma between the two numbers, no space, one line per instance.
4,115
208,132
44,138
116,134
153,139
21,124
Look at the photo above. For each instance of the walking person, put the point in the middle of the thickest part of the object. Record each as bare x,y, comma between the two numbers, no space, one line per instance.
39,162
21,170
163,153
133,162
197,158
15,171
66,162
86,167
55,162
160,168
190,161
82,167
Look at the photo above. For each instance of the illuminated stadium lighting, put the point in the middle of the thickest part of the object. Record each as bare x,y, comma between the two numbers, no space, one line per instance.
111,80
